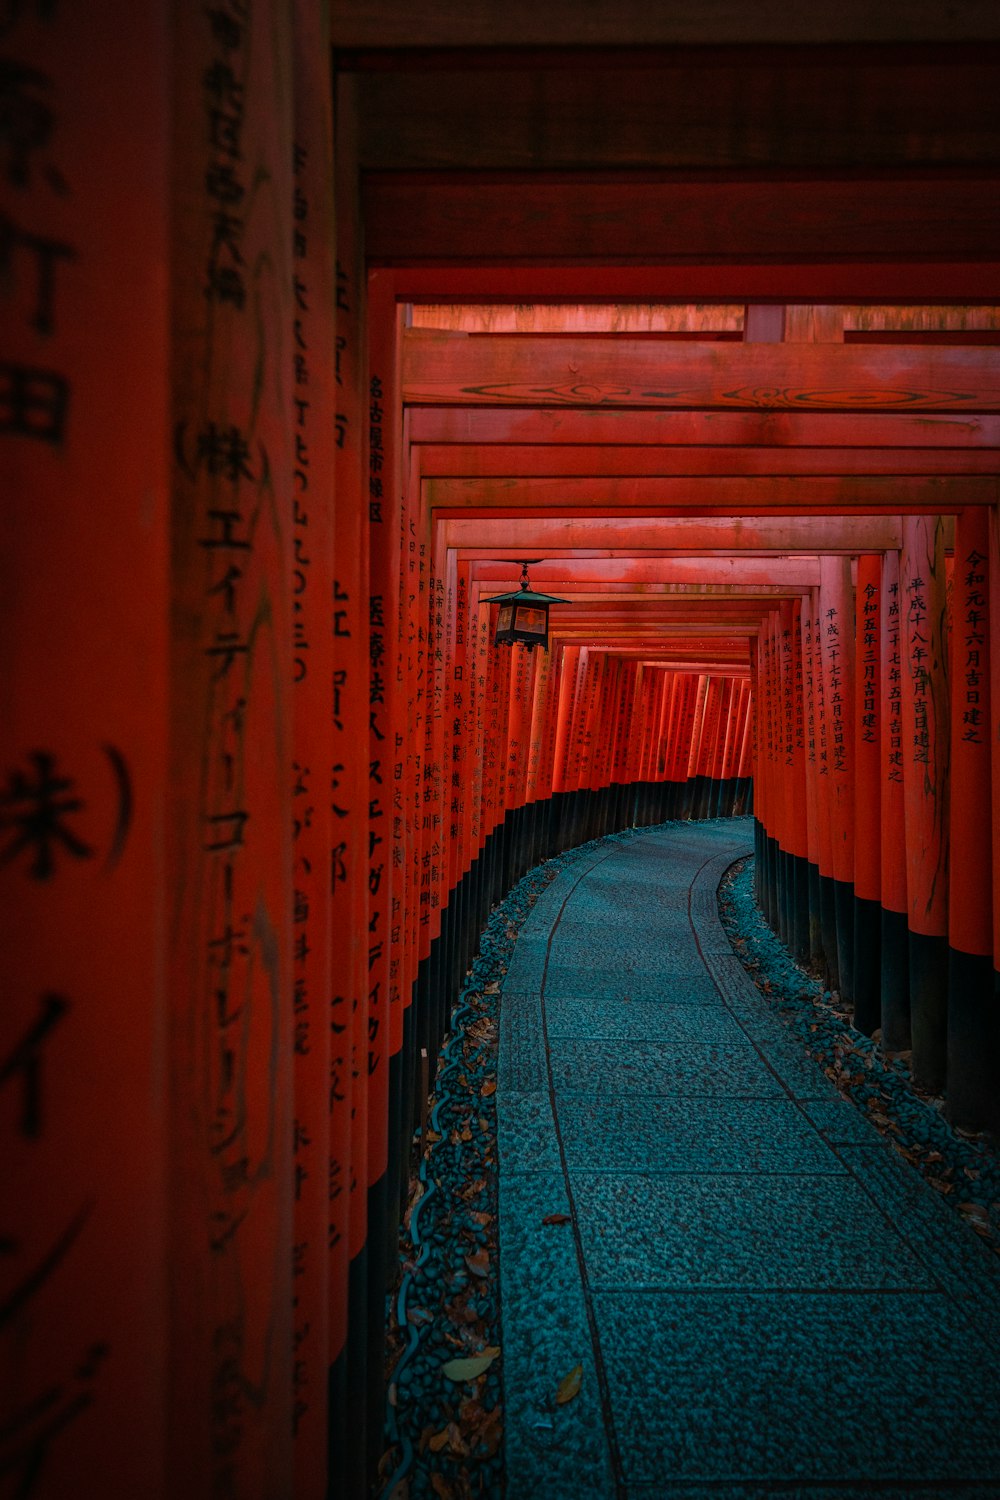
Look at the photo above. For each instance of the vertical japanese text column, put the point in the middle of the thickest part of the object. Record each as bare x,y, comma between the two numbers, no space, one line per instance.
973,1031
838,656
867,794
229,843
358,495
894,950
926,747
384,874
84,614
320,1131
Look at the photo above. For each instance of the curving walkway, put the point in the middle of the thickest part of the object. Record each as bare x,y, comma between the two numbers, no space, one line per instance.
765,1300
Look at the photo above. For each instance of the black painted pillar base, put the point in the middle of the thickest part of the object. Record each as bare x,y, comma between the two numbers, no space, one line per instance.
338,1460
843,897
397,1165
816,954
781,883
973,1042
800,925
929,1009
381,1274
867,965
895,973
828,916
352,1473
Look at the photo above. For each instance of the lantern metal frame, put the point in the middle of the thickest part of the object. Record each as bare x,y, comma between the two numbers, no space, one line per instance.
523,617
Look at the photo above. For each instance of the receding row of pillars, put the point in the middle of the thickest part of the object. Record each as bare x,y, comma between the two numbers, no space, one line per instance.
876,772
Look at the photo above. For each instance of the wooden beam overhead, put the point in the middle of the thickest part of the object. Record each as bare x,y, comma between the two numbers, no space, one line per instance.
559,460
863,493
381,24
652,221
807,535
904,277
456,370
679,573
480,426
700,108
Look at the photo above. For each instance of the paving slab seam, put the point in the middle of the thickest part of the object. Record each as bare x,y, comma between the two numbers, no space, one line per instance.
863,1163
599,1368
764,1331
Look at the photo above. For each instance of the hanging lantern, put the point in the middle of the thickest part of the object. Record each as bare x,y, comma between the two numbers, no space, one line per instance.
523,615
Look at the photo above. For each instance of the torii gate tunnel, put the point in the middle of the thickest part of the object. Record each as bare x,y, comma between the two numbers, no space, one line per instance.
704,319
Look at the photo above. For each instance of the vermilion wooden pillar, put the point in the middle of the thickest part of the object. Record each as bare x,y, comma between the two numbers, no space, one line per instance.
358,495
387,715
744,771
925,788
810,659
994,612
867,799
824,787
838,655
84,612
321,1121
229,839
973,1030
786,767
694,746
796,771
895,961
772,820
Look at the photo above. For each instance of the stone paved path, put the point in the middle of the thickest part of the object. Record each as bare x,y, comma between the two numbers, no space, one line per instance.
765,1299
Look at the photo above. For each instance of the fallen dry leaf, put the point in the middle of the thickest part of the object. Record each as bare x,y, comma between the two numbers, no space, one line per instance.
456,1442
569,1386
438,1441
488,1088
472,1368
556,1219
478,1264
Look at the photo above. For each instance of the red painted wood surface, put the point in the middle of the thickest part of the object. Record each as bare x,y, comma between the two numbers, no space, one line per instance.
84,618
824,829
837,630
321,1121
868,717
358,495
611,453
507,428
636,494
229,855
994,611
892,819
388,710
970,904
493,370
925,724
792,219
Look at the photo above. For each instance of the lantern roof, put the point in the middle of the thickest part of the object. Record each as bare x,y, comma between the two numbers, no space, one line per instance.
523,596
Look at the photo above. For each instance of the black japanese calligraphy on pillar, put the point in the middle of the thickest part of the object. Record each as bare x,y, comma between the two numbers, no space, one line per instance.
819,685
232,485
809,653
834,652
35,390
869,665
974,622
918,657
894,678
380,917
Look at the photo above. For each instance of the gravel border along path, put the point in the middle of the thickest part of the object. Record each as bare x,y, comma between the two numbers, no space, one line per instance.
444,1435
